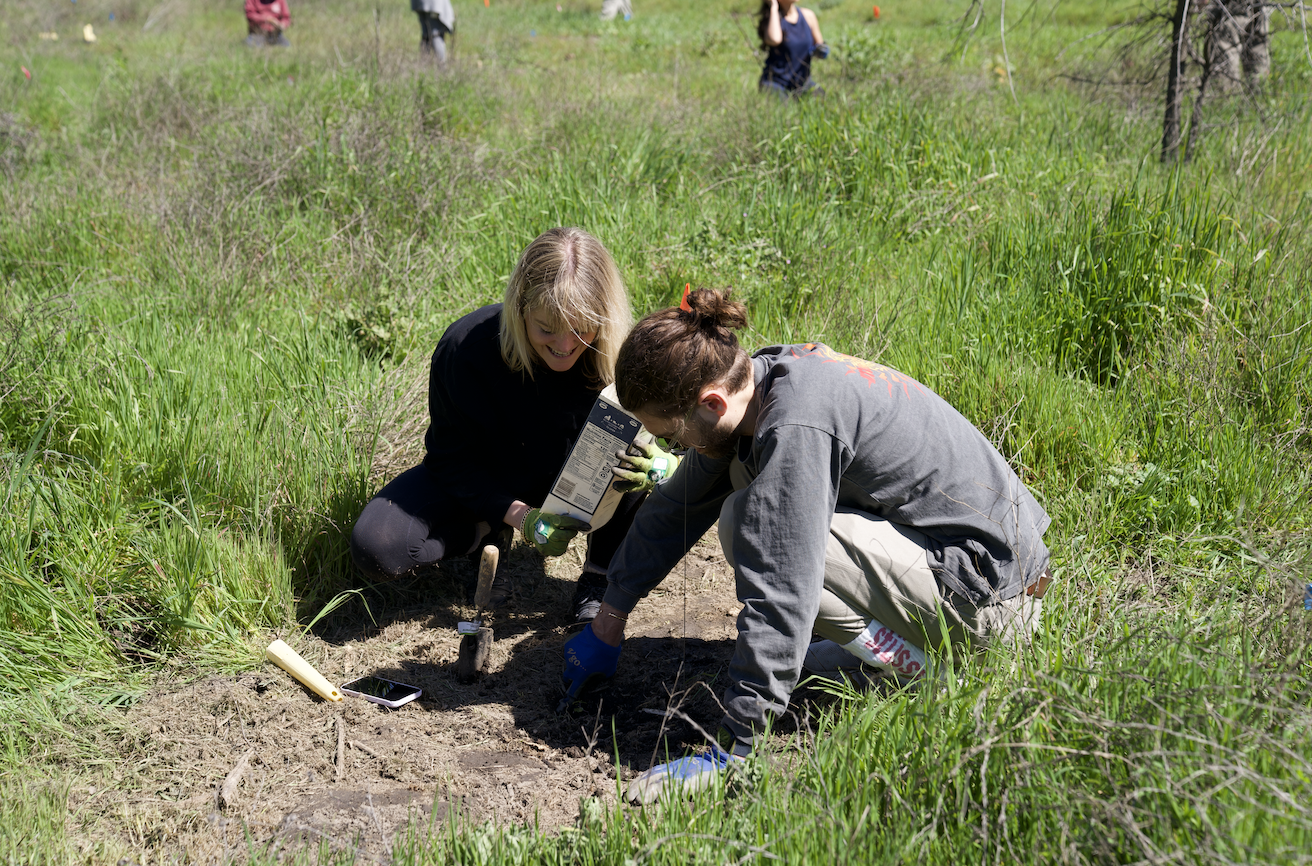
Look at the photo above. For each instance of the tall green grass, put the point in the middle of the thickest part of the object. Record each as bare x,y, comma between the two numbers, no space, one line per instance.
221,273
32,816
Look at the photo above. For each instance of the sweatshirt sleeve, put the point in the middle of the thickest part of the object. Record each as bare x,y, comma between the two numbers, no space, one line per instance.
471,472
781,528
676,514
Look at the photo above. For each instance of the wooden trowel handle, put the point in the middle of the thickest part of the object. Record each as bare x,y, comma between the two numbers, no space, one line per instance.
487,570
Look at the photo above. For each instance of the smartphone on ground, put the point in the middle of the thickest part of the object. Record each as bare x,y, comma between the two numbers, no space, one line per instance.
389,693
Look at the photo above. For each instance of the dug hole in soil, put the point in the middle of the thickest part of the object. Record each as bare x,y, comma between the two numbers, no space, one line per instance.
491,750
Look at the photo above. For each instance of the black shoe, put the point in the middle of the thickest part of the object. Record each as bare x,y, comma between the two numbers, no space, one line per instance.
503,589
588,593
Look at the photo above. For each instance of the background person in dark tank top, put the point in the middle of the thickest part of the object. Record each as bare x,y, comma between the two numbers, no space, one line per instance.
790,36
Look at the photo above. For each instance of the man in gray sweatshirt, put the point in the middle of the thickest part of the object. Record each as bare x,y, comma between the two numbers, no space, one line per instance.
852,502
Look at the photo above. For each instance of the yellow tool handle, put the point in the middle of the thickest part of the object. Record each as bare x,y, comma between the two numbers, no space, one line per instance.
289,660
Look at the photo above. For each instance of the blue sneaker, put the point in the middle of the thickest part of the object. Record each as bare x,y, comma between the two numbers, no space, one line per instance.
686,776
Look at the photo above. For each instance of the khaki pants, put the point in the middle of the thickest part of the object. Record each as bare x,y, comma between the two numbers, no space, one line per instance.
876,571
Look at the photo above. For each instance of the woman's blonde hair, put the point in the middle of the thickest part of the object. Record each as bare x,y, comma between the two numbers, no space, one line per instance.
568,278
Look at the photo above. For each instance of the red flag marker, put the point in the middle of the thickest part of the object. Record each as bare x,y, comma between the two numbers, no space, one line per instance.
875,11
26,74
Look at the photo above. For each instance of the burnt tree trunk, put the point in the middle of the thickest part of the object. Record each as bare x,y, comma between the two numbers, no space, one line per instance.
1209,66
1236,55
1171,123
1196,121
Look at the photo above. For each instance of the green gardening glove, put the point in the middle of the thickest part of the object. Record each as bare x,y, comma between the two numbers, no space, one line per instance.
641,471
550,533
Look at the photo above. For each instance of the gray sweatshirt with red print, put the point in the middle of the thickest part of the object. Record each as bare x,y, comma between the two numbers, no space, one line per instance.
833,430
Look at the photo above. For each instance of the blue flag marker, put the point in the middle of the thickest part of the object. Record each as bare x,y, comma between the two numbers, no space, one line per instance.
1307,597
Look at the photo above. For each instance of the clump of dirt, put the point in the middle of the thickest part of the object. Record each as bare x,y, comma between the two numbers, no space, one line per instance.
495,749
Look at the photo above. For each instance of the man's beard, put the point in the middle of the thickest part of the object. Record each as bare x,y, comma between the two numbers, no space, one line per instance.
718,445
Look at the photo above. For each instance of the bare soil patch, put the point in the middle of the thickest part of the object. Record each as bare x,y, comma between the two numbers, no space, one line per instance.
494,750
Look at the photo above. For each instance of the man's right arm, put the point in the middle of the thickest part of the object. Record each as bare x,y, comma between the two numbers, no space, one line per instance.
676,514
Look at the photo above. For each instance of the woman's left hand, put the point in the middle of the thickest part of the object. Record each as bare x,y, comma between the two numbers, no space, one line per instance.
641,471
550,534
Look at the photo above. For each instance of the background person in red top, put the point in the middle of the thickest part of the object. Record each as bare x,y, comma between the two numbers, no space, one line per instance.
266,20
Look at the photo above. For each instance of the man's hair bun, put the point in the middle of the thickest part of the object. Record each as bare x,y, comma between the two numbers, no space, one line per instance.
672,353
717,312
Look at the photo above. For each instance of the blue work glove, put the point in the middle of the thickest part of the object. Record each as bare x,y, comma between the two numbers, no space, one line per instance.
821,51
684,776
550,533
641,471
589,665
